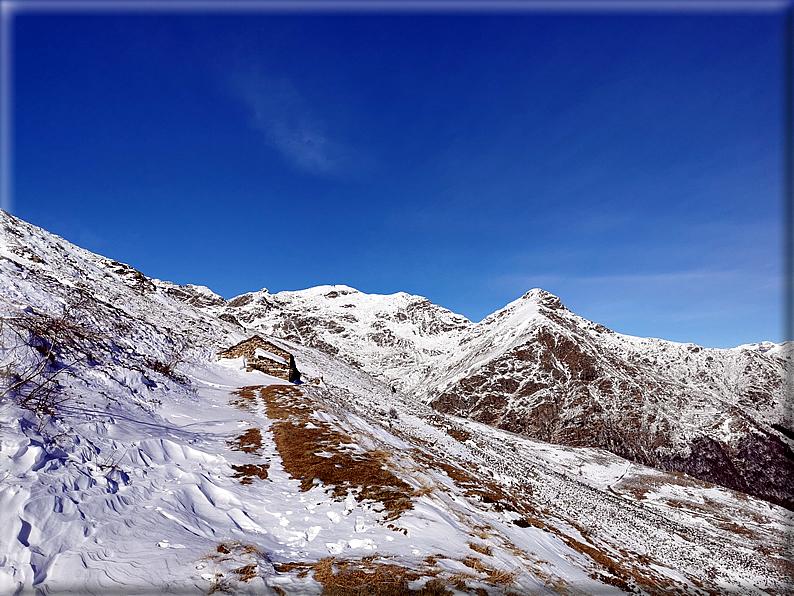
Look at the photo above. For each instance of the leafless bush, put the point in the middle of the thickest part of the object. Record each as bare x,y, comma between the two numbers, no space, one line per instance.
175,355
37,349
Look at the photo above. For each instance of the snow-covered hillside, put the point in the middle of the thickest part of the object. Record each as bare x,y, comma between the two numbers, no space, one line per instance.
399,338
537,369
133,461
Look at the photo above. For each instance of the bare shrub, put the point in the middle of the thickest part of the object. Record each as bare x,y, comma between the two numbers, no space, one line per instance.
37,349
174,356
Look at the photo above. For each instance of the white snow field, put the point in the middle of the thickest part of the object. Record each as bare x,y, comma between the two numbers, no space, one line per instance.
137,462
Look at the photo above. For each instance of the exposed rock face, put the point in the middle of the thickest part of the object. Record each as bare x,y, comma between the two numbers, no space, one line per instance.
537,369
198,296
678,407
532,367
265,357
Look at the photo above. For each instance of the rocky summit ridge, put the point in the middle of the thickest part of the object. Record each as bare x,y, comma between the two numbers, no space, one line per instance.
423,454
537,369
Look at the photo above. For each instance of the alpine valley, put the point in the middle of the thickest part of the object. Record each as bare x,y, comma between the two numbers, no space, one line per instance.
420,453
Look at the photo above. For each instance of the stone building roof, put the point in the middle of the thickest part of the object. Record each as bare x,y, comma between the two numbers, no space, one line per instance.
264,356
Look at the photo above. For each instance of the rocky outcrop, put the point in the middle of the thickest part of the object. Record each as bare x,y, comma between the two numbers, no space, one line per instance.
537,369
197,296
265,357
677,407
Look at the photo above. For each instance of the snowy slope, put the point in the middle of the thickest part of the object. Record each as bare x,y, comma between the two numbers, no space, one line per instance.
537,369
161,469
398,338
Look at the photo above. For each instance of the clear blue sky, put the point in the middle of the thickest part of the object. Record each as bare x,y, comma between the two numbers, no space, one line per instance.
630,164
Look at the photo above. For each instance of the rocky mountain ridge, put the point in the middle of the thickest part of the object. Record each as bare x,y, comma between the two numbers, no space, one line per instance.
151,466
537,369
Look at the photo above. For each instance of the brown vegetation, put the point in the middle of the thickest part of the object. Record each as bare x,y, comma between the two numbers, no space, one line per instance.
371,576
475,564
231,552
249,442
481,548
360,577
313,452
481,489
459,434
247,472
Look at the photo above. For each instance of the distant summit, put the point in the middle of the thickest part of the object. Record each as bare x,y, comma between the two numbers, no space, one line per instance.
425,454
535,368
543,298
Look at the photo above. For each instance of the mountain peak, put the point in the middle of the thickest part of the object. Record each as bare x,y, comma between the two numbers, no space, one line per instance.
144,413
543,298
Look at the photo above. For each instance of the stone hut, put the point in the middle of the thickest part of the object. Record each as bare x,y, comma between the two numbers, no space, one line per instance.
265,357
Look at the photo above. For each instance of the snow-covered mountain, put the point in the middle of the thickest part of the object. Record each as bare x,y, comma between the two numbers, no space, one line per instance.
398,338
537,369
133,461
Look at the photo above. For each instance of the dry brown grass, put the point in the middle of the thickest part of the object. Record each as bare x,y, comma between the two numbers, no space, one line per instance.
249,442
374,576
620,574
346,577
458,434
640,484
303,568
246,397
394,528
530,520
360,577
481,548
247,472
423,490
236,547
458,581
345,469
341,467
476,564
481,489
502,576
232,552
246,573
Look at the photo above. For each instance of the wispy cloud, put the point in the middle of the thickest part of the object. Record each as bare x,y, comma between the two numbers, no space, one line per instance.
289,125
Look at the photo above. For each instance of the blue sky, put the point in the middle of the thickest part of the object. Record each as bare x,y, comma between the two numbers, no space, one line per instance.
629,163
